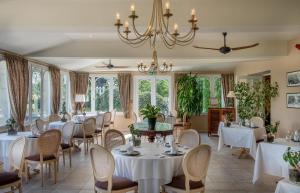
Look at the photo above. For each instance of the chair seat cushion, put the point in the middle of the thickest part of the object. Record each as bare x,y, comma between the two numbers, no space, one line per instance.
65,146
81,136
118,183
98,131
8,177
179,182
106,125
178,125
37,157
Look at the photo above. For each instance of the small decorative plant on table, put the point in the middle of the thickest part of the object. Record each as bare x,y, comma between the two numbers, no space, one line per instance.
271,131
293,158
11,124
228,119
150,112
63,112
136,139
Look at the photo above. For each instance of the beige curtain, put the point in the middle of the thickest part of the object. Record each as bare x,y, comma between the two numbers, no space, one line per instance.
18,82
79,85
176,77
227,85
55,80
125,90
73,89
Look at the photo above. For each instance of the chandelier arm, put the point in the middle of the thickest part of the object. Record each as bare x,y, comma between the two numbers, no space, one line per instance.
187,41
131,39
135,44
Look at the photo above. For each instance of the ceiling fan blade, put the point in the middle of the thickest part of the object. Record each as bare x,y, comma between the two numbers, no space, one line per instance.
100,66
205,48
121,66
245,47
105,63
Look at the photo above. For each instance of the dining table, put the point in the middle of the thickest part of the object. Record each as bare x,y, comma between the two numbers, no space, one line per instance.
59,126
286,186
240,136
161,128
151,168
269,158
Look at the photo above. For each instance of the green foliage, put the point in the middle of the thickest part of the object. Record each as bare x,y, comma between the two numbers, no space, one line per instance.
132,130
205,87
150,111
11,122
218,91
63,109
292,157
272,128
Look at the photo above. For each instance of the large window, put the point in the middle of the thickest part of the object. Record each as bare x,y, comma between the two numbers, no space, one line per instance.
65,90
4,98
153,90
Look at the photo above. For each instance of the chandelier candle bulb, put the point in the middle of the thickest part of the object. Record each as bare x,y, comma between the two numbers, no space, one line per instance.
193,12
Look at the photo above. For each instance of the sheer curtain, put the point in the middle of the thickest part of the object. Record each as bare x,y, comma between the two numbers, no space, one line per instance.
55,79
227,85
18,81
124,90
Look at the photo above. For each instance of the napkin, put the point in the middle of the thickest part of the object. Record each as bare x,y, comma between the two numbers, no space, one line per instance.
174,148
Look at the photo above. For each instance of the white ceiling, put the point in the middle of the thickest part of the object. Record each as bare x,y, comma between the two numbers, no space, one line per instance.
78,35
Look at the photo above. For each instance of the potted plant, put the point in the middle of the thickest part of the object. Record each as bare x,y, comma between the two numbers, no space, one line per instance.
271,131
228,119
293,158
150,112
11,124
63,112
136,140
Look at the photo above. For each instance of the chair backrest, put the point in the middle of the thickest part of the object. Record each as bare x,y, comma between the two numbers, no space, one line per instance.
160,118
16,154
113,115
134,117
41,125
103,165
49,142
89,126
68,132
106,119
195,164
258,122
99,121
113,138
190,138
54,117
68,116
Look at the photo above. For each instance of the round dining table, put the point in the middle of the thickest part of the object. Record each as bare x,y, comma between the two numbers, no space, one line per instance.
151,169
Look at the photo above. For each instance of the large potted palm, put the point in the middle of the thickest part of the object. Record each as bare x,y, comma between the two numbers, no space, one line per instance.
150,112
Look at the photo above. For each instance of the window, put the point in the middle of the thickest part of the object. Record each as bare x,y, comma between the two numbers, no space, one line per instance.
154,90
65,90
4,98
36,92
103,94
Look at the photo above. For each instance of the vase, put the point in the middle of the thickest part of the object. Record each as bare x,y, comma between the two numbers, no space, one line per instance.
136,141
294,175
12,131
270,138
151,123
63,119
227,124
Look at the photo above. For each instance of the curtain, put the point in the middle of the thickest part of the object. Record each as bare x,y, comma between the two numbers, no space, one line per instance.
176,77
125,90
227,85
18,82
55,80
73,89
79,83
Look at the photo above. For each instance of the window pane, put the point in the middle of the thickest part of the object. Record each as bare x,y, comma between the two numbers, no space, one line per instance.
116,97
144,93
206,94
102,94
46,94
36,93
4,99
218,90
88,98
162,95
63,93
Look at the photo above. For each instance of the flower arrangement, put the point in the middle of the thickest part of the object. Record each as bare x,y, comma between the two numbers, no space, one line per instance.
271,131
136,140
11,124
63,112
293,158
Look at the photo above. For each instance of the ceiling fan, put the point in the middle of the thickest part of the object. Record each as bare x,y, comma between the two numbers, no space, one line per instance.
225,49
109,65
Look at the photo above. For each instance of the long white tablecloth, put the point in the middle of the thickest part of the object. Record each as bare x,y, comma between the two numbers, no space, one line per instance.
149,170
269,159
5,140
59,125
285,186
240,136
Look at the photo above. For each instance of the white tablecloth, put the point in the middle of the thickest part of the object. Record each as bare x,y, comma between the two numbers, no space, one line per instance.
59,125
269,159
5,140
285,186
149,170
240,136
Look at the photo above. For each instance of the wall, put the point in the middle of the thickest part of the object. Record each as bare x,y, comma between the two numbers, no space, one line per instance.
289,118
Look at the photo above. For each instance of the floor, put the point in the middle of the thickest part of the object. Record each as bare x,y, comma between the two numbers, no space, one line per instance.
226,174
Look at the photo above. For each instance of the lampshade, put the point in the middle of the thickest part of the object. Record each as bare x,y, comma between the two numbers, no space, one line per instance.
231,94
80,98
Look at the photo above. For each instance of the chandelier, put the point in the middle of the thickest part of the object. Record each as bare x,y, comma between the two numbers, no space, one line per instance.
154,67
158,26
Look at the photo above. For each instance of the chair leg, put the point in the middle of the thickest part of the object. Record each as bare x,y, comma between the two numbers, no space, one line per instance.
70,157
20,187
64,160
55,171
26,171
42,173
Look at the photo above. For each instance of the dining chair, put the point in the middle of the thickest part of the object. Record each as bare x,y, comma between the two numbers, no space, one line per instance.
53,118
181,125
66,142
113,138
48,146
68,116
190,138
160,118
41,125
87,135
13,178
106,120
258,122
99,124
113,116
195,165
103,165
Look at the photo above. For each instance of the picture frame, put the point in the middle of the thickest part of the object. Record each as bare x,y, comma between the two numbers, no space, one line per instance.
293,100
293,79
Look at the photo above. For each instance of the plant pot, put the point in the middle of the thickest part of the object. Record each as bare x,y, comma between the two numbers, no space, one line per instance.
227,124
136,141
270,138
152,123
63,119
294,175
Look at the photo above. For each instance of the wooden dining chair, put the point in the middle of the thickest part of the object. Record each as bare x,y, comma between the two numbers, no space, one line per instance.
48,146
103,165
160,118
181,125
41,125
106,120
99,125
195,165
113,138
13,178
87,135
189,138
54,118
113,117
258,122
67,139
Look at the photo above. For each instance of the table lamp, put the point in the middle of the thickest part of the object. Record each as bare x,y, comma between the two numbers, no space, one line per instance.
80,98
231,96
